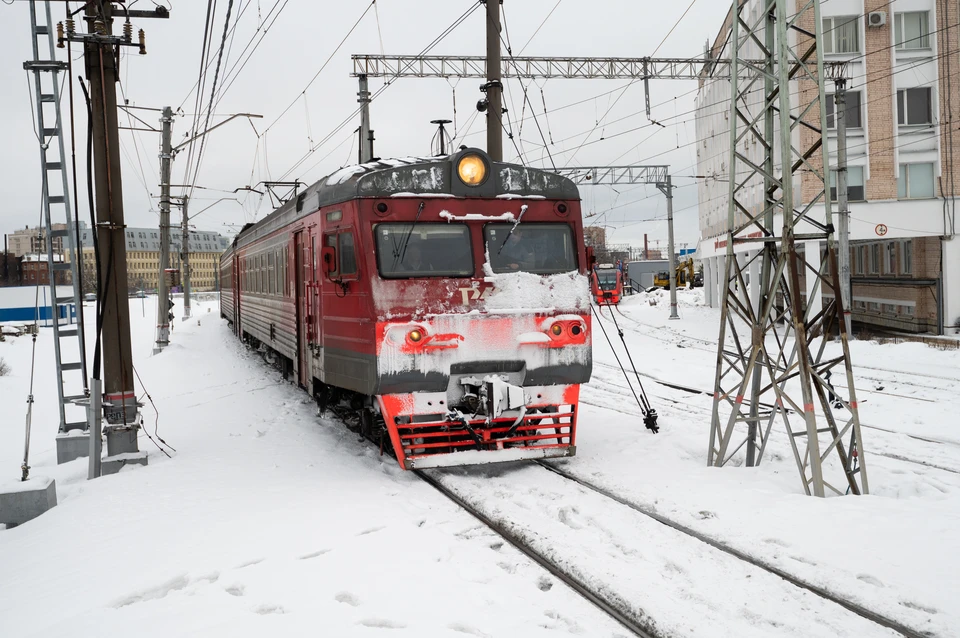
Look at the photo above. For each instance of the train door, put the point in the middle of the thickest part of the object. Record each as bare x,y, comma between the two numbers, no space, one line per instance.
302,265
316,304
235,283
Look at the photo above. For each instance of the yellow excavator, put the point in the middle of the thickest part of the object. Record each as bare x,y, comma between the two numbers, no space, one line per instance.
686,276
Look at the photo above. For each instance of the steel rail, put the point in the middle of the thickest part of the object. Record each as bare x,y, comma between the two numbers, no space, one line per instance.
608,608
849,605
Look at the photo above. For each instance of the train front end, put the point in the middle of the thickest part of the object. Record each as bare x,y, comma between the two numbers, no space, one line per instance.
483,332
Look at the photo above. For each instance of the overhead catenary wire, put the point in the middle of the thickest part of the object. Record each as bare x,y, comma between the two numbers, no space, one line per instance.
649,414
473,7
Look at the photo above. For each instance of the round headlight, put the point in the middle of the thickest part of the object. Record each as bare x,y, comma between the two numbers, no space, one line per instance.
556,329
472,170
415,335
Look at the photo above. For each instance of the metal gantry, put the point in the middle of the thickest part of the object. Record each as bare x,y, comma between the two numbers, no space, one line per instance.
530,67
68,341
657,175
773,364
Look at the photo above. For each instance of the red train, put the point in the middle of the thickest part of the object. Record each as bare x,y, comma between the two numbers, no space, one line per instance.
440,305
607,285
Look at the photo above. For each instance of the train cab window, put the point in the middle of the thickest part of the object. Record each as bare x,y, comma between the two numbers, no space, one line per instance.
423,250
346,255
533,247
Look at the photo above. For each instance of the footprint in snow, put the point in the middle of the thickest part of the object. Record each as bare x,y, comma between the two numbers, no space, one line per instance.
347,598
235,590
372,530
382,623
705,514
265,609
544,584
919,607
319,552
465,629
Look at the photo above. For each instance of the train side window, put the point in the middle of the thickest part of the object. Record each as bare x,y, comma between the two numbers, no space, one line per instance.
345,256
348,256
331,242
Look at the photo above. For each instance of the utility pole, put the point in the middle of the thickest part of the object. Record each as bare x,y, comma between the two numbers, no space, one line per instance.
119,398
185,258
166,158
838,71
365,147
667,189
494,87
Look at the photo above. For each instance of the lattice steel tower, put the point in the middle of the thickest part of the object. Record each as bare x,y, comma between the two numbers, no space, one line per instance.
777,349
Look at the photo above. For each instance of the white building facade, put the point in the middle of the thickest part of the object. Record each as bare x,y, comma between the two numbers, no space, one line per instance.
903,105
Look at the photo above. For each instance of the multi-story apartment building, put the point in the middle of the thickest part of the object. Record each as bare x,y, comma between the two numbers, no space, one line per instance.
903,102
34,240
143,258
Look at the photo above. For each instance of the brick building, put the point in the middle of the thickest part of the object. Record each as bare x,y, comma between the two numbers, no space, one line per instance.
904,257
35,270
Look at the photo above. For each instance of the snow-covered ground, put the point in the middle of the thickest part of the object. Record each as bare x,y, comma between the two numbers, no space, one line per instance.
270,520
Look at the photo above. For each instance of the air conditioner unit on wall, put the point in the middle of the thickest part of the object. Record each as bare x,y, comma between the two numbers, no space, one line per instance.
876,18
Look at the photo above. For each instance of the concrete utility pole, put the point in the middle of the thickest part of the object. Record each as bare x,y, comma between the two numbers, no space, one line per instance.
185,258
667,189
494,87
166,158
843,210
119,398
366,135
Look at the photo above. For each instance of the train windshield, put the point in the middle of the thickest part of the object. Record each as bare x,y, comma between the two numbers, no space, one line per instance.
532,247
423,250
607,279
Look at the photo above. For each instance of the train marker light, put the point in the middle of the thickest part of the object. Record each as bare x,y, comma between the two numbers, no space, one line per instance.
472,170
556,329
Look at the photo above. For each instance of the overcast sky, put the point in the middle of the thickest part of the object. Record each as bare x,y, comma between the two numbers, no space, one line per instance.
301,35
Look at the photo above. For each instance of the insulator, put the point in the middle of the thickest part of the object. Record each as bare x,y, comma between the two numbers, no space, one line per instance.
71,26
127,31
143,43
59,35
99,27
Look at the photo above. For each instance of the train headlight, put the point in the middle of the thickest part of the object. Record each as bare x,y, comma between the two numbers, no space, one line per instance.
472,170
556,329
415,336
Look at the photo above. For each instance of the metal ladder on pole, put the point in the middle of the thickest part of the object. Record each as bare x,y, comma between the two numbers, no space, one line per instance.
68,340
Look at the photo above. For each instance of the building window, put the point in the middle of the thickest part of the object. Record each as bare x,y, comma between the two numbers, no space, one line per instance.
906,257
874,259
915,181
852,111
908,310
890,262
855,191
859,304
914,106
841,34
912,30
889,309
873,306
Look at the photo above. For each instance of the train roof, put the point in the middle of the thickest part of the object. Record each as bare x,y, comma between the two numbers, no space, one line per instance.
414,177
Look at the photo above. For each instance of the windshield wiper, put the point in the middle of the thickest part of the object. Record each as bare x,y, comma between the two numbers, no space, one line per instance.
398,255
523,209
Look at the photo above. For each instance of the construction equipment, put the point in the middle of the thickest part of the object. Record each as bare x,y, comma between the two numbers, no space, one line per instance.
686,276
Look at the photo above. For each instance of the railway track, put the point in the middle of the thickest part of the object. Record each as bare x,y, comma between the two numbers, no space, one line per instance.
594,597
640,623
691,390
708,345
